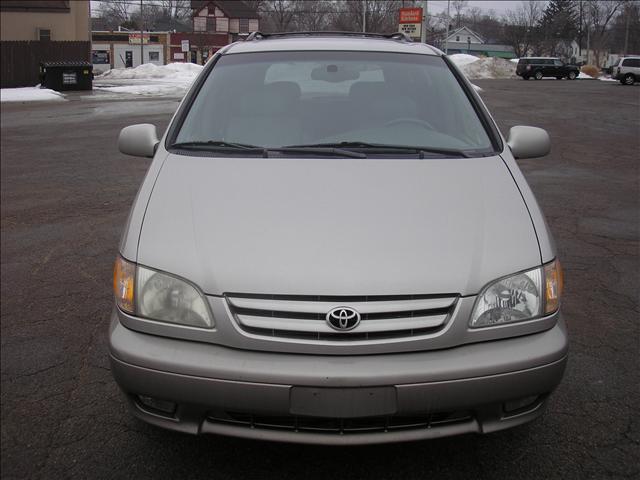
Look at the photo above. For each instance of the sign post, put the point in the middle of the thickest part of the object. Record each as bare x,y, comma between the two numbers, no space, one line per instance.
410,22
184,48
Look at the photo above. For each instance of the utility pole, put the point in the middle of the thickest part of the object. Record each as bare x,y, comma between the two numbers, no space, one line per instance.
364,16
626,34
423,32
588,47
580,32
446,38
141,35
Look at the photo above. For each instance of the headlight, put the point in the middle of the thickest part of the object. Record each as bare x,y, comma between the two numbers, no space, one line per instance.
159,296
519,297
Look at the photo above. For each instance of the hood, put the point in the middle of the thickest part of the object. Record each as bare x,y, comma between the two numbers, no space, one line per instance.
336,226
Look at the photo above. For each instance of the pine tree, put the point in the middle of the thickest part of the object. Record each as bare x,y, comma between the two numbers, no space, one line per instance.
559,24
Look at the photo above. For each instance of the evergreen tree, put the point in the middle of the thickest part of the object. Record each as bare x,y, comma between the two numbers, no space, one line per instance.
559,24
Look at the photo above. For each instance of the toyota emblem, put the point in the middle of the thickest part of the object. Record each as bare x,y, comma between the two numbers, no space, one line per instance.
343,318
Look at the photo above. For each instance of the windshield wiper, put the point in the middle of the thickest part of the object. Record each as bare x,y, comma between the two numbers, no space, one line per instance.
320,150
385,148
216,143
222,145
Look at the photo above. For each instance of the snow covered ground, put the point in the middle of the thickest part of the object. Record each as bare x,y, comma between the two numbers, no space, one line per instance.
492,67
148,79
483,67
30,94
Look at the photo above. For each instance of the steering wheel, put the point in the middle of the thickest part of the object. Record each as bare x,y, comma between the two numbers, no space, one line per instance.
415,121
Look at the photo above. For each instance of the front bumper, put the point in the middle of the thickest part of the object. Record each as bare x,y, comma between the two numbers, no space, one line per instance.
214,386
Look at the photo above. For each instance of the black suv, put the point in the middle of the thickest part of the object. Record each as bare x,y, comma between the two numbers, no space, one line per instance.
539,67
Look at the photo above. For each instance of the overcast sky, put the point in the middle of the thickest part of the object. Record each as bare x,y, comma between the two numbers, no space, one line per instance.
500,6
437,6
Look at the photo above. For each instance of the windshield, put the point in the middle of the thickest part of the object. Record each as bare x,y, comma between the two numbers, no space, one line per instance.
351,99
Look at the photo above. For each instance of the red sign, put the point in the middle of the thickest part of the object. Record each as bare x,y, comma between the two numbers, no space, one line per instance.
411,15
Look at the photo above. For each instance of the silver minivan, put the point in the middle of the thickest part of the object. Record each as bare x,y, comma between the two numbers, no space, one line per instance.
334,244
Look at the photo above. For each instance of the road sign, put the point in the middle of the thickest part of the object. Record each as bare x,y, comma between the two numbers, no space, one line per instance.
185,45
414,30
411,15
410,21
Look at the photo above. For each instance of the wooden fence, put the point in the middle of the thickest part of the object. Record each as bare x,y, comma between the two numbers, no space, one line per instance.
20,61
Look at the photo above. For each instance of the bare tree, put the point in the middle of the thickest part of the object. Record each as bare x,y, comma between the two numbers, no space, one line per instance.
521,27
599,14
277,15
458,6
473,16
381,15
625,30
173,15
313,16
483,22
178,9
146,17
113,13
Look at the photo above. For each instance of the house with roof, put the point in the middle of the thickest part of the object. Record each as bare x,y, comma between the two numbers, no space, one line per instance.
216,23
44,20
34,31
465,40
232,17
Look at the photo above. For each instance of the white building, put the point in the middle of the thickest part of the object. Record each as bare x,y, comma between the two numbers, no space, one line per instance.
577,55
465,40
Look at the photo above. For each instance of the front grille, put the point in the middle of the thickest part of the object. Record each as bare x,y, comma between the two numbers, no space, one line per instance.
340,426
304,317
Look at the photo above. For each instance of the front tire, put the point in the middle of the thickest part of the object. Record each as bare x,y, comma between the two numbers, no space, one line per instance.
629,79
538,75
572,75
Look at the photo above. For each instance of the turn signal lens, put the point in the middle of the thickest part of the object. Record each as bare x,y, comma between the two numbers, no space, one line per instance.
554,280
124,274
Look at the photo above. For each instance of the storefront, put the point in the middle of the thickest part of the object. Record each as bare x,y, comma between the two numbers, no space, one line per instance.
128,49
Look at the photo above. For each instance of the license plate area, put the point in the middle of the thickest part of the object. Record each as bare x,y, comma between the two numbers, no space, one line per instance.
343,402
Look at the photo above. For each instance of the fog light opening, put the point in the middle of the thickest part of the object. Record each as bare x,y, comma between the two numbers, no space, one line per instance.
521,404
156,405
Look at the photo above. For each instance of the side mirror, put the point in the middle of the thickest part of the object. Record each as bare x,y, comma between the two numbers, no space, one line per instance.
528,142
138,140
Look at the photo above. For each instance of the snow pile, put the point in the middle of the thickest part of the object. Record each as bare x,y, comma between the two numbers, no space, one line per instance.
585,76
461,59
30,94
173,72
148,90
514,60
150,80
490,67
484,67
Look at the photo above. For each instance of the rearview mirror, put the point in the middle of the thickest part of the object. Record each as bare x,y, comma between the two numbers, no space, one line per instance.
138,140
528,142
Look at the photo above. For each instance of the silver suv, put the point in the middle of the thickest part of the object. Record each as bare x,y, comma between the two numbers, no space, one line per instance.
627,70
334,245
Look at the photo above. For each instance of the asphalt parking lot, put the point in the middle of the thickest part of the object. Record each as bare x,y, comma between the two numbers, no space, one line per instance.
65,195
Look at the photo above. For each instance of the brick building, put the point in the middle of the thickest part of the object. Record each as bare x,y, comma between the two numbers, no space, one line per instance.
215,23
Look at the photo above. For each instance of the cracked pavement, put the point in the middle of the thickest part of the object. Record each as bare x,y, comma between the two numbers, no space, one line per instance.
66,192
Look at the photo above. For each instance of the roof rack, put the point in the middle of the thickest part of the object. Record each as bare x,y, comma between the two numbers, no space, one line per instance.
403,37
